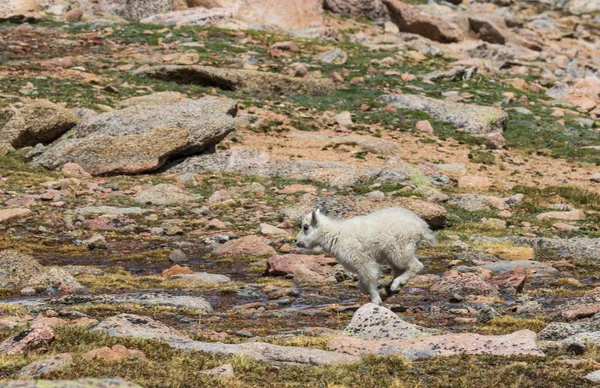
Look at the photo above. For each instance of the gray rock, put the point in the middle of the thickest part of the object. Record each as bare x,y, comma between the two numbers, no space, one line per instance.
38,122
594,377
110,210
258,163
164,194
454,74
335,56
16,269
165,299
371,9
141,139
129,325
250,81
582,339
481,121
177,256
577,247
136,10
470,202
486,313
412,19
47,365
558,91
499,267
199,278
96,242
372,322
200,17
560,330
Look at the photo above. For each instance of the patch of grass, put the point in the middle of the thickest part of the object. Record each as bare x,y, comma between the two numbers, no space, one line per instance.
118,279
508,324
575,195
482,157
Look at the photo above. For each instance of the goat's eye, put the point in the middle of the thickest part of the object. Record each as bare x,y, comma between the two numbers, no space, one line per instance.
305,227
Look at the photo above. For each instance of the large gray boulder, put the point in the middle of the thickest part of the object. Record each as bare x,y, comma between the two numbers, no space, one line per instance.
482,121
142,138
20,11
372,9
38,122
412,19
17,268
372,322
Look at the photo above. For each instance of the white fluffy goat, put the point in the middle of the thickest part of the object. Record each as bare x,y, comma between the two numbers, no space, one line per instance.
362,244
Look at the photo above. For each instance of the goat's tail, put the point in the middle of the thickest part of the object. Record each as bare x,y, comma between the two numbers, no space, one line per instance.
429,238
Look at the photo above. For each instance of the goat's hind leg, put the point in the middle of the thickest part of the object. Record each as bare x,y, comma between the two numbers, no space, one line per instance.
413,266
385,290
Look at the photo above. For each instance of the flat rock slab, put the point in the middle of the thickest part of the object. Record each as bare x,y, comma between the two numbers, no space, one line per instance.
83,383
196,17
145,299
164,194
197,279
519,343
481,121
8,214
499,267
303,268
250,81
111,210
47,365
577,247
129,325
245,246
373,322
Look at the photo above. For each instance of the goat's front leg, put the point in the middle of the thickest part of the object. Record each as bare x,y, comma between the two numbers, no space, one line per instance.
368,276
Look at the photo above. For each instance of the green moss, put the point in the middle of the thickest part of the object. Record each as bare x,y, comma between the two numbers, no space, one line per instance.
482,157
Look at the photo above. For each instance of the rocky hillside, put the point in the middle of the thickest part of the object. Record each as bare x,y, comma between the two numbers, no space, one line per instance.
157,156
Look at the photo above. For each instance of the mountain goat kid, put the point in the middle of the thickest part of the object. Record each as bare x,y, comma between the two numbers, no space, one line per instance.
362,244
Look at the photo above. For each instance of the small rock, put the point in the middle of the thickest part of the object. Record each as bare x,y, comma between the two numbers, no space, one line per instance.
344,119
96,242
28,291
116,353
594,377
47,365
73,15
33,339
225,370
424,126
177,256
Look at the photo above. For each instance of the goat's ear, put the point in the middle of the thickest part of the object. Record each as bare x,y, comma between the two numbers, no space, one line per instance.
315,220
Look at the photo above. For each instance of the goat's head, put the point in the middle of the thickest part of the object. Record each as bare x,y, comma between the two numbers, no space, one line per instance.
309,231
